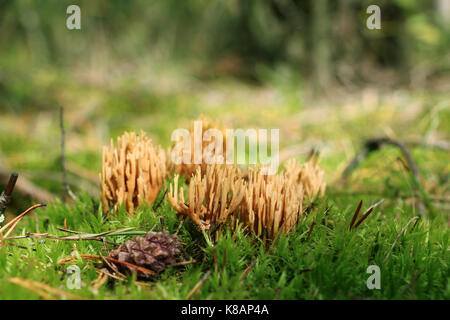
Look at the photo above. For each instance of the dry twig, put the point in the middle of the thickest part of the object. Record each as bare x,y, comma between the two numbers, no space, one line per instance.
375,144
27,188
5,197
198,285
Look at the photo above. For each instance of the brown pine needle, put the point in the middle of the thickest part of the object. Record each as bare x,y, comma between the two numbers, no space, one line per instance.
70,231
121,278
83,256
363,217
367,213
182,263
355,215
101,279
43,290
180,225
41,293
79,238
198,285
215,258
109,274
310,230
98,257
132,266
21,215
54,238
28,235
13,223
247,270
112,266
94,235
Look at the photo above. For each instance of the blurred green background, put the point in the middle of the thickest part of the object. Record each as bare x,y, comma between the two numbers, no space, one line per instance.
311,68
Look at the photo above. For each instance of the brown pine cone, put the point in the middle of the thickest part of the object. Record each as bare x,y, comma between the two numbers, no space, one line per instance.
155,251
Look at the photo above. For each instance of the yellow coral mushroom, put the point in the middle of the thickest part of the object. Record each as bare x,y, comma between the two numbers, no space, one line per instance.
307,175
132,173
189,169
272,204
213,197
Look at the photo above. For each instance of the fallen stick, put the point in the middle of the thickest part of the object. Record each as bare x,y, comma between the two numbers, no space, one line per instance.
5,197
27,188
376,144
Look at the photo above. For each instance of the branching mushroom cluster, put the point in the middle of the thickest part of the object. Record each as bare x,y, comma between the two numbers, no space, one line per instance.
308,176
266,204
213,197
271,204
132,173
189,169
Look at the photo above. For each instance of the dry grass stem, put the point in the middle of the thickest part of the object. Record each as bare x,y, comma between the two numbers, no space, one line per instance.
45,291
198,285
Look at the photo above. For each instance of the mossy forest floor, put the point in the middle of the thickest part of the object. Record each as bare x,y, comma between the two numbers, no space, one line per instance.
330,262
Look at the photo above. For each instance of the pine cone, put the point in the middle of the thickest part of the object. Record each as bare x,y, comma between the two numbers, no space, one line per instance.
155,251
